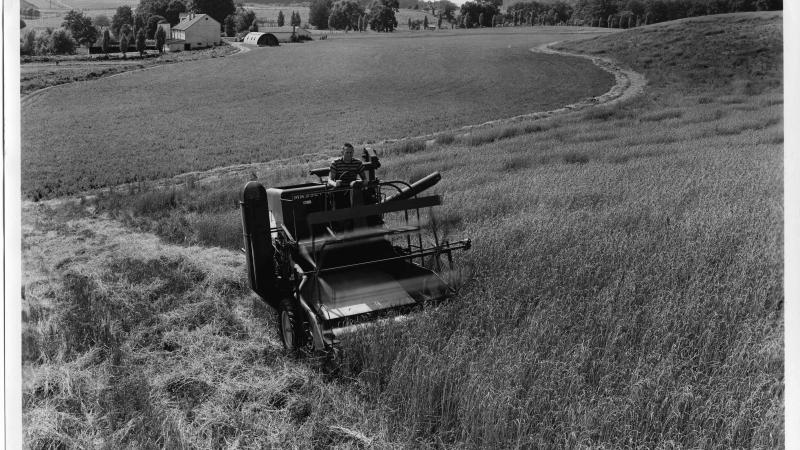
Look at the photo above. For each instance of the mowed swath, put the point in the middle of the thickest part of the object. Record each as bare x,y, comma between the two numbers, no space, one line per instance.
286,101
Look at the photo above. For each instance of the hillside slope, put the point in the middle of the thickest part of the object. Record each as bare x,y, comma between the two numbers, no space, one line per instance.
624,288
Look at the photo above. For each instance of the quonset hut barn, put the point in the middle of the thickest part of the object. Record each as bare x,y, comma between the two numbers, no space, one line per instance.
275,35
260,39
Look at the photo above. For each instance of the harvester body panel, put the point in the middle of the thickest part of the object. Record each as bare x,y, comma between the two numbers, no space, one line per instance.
352,292
341,255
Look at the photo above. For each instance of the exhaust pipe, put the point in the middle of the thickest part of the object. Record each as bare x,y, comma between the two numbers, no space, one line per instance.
416,188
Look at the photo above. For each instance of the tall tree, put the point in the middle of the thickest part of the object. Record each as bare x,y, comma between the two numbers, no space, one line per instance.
161,39
345,14
296,19
43,43
81,28
472,10
597,9
382,15
634,6
123,16
149,8
141,41
425,22
218,9
106,45
319,12
447,9
124,39
62,42
658,11
152,25
768,5
174,10
139,22
244,18
560,11
281,19
28,44
101,20
230,26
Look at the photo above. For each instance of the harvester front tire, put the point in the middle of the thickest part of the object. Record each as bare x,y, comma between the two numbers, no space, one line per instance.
290,326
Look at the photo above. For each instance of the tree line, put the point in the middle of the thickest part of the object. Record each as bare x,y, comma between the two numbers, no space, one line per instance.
126,27
29,13
348,15
598,13
123,30
601,13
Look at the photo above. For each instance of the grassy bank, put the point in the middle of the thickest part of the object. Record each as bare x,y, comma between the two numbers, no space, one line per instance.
146,345
625,289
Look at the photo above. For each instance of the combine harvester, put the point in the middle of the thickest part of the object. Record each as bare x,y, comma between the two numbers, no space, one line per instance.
327,258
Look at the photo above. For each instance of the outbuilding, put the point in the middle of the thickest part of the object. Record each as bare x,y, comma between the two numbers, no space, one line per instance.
260,39
284,34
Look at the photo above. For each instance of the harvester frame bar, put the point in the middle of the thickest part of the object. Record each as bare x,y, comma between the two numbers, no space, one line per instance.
335,215
440,249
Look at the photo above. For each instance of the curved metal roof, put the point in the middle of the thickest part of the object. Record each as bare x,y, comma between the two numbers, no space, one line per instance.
256,38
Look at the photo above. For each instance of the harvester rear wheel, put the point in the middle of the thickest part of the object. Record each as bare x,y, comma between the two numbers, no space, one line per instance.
290,325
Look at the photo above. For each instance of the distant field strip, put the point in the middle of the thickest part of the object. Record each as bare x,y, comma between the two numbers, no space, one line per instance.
274,103
28,98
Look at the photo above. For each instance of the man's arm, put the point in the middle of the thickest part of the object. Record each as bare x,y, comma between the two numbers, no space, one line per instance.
332,176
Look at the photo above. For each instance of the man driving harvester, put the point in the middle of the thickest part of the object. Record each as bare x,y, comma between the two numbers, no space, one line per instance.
343,173
346,169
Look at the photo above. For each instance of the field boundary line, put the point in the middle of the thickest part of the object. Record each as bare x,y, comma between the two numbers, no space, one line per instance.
27,99
627,85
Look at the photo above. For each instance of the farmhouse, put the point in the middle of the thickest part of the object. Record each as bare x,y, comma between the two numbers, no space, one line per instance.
193,31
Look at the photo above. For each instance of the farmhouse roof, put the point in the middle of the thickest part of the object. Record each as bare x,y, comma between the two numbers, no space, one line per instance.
191,20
